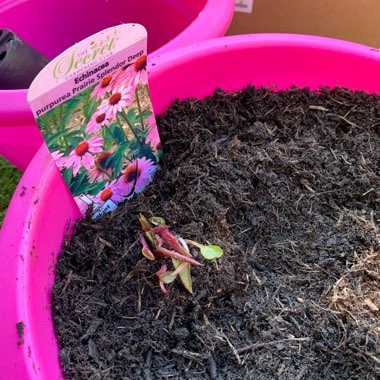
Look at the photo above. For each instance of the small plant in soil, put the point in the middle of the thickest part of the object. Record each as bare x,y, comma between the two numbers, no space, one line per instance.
158,242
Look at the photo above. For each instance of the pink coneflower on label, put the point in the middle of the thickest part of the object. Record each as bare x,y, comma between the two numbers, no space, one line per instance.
104,86
120,98
59,160
110,192
136,176
132,74
102,170
152,136
139,70
82,155
97,121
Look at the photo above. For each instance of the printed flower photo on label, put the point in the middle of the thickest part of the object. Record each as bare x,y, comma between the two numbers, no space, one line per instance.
104,140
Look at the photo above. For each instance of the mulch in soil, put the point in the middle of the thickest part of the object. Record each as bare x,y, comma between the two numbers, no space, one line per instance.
288,185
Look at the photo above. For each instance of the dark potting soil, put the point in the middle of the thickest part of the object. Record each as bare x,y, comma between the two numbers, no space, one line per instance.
288,185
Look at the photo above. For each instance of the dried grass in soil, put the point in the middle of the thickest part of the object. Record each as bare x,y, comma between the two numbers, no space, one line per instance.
288,184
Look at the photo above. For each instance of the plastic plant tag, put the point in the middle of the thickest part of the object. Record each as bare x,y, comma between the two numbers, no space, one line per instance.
244,6
93,107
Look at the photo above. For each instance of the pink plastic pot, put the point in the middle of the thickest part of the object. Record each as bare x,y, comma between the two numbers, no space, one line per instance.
41,208
51,28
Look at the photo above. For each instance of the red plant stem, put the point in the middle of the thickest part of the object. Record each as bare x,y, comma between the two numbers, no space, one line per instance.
146,250
158,229
163,289
178,256
180,268
162,270
170,239
158,240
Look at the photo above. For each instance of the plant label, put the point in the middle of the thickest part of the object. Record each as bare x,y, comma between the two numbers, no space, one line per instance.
94,110
244,6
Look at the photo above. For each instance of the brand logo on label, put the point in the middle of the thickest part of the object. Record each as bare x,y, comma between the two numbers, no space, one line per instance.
75,60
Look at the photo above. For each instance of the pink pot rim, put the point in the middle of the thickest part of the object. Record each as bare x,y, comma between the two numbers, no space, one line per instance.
262,40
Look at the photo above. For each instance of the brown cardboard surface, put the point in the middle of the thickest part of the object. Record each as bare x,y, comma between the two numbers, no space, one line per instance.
351,20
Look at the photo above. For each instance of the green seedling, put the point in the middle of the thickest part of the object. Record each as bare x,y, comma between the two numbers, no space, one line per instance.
146,250
157,221
160,272
178,256
159,243
209,252
184,275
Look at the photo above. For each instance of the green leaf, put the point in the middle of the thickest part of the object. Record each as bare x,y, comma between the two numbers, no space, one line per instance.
146,114
42,121
88,109
77,182
93,188
167,277
116,159
145,225
73,102
157,221
132,116
159,155
64,132
87,92
211,252
54,137
67,175
66,118
46,125
144,151
118,134
73,141
184,275
54,114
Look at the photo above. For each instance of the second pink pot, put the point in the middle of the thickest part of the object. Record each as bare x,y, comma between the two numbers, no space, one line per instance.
51,27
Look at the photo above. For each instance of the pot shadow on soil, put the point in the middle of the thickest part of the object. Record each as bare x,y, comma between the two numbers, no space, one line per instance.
288,185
